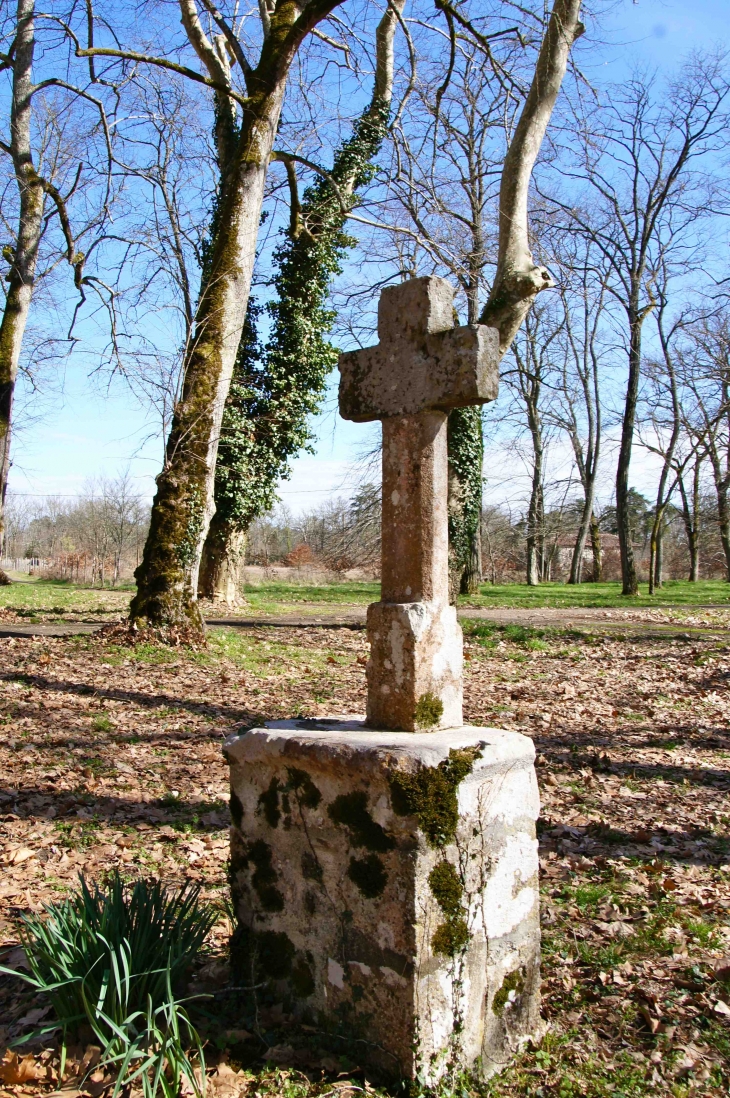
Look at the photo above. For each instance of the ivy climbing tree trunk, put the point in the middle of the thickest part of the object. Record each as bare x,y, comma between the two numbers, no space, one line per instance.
23,255
167,578
466,457
275,388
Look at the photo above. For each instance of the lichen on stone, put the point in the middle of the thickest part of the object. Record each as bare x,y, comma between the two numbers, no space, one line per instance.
430,794
264,876
429,710
301,784
236,809
302,979
350,810
368,874
269,803
312,867
513,981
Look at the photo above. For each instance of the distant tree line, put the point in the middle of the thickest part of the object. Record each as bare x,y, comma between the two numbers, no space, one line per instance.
96,537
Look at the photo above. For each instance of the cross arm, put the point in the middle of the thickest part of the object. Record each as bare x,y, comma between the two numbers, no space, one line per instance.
438,372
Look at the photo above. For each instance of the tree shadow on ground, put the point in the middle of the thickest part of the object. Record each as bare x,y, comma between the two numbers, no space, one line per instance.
136,697
44,802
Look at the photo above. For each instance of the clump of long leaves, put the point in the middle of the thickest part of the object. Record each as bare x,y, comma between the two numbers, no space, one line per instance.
111,959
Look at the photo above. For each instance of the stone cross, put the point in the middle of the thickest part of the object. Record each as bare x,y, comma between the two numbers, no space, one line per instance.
422,367
385,879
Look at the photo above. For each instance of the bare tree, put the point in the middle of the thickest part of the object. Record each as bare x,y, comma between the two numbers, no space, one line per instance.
534,368
467,142
640,160
705,366
46,170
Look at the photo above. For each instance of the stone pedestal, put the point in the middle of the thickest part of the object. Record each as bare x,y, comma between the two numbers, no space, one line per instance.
386,883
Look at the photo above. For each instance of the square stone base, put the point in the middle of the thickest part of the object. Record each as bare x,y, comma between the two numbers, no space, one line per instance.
386,887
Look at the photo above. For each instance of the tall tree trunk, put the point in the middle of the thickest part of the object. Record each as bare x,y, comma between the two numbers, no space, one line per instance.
723,514
597,551
534,541
167,578
576,563
658,572
21,277
691,518
628,563
220,566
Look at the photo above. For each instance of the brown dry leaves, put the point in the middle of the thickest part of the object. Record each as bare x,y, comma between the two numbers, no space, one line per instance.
112,758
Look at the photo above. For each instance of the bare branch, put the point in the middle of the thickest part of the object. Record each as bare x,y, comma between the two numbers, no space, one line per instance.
518,278
231,40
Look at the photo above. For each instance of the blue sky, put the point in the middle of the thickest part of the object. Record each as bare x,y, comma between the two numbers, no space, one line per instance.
88,432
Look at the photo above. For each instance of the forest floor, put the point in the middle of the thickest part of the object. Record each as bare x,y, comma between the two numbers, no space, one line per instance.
111,758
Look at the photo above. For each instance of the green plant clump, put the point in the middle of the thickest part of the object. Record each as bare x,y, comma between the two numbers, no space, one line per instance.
451,936
112,959
429,710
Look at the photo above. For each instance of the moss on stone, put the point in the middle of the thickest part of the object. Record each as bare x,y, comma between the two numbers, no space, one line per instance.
430,794
236,809
451,936
275,953
447,888
300,782
350,810
368,874
513,981
429,710
269,803
264,876
310,902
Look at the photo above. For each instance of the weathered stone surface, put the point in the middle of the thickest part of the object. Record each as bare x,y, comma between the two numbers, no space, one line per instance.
415,533
387,884
415,668
422,361
421,368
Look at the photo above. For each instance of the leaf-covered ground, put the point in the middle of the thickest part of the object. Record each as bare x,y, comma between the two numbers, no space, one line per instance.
111,757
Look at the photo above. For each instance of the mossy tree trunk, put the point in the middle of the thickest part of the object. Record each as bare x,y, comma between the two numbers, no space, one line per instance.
597,550
220,566
276,387
24,254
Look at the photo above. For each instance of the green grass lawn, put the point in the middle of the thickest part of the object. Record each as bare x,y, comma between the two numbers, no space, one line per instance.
272,596
50,599
31,595
673,593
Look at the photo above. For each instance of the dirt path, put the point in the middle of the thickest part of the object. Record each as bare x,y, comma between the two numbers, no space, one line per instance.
675,621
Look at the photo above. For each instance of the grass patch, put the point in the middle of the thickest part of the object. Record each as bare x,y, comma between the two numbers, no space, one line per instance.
673,593
56,598
261,596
